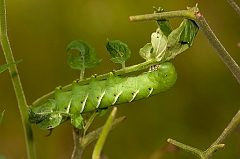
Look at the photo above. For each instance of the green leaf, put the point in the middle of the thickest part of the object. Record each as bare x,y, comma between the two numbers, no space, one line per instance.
1,116
119,51
85,58
156,49
146,51
4,67
164,24
189,32
159,43
77,121
180,39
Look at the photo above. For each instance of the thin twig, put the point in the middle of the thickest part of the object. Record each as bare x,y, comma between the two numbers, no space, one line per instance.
221,51
234,5
22,104
228,130
77,136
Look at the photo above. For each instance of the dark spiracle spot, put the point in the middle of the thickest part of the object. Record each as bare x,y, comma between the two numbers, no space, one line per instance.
97,97
65,108
166,75
114,95
81,102
132,93
149,89
49,127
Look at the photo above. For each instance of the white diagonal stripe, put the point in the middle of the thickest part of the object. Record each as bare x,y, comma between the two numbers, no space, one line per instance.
151,89
100,99
116,98
69,105
83,104
134,96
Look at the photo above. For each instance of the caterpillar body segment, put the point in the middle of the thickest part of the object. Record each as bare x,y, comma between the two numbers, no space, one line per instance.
101,94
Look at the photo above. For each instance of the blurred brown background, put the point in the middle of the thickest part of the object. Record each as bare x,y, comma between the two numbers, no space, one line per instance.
195,111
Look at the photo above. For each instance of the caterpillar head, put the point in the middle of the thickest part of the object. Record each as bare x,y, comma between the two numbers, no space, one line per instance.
45,116
51,122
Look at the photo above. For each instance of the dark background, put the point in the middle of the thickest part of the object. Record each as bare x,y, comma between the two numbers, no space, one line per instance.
195,111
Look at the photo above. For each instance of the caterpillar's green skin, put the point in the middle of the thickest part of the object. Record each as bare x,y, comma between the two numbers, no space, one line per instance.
101,94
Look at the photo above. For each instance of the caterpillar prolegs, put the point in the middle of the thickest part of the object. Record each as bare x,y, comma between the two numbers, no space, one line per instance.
101,94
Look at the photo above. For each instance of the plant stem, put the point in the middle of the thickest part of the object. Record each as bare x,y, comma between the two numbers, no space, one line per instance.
234,5
164,15
83,140
123,65
101,140
89,122
77,136
218,144
22,104
187,148
221,51
81,75
228,130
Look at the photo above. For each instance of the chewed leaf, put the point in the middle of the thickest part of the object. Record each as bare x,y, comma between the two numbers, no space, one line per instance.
1,116
119,51
4,67
85,58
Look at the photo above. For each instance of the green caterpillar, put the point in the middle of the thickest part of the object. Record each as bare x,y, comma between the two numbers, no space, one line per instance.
98,95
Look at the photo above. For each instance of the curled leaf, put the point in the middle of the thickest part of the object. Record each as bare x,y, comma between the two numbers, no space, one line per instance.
157,47
85,58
